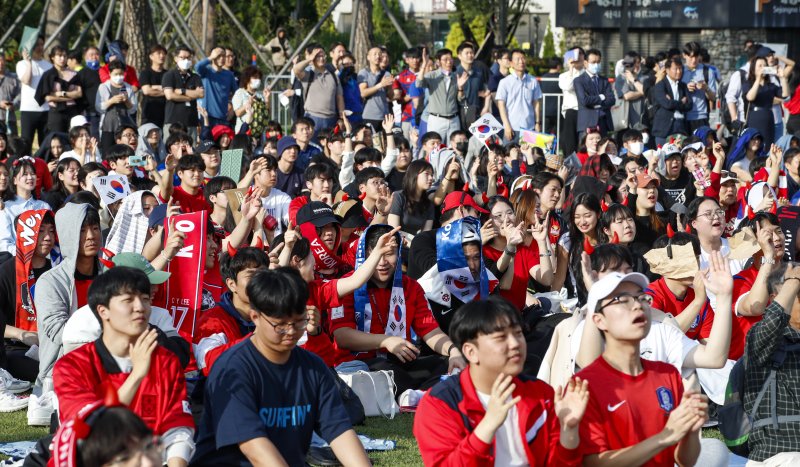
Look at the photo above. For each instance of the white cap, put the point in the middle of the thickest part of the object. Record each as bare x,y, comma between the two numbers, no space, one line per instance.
78,120
696,147
670,149
605,286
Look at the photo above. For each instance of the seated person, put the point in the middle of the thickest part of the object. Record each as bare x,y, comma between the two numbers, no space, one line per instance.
148,378
265,396
490,414
392,310
319,182
189,195
639,411
774,444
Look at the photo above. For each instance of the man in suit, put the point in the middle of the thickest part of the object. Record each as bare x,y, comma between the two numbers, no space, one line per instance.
672,102
595,96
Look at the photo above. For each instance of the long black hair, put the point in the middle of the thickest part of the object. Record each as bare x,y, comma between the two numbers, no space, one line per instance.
410,186
576,237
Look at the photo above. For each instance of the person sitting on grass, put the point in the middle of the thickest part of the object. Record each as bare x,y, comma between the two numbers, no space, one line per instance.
490,414
265,396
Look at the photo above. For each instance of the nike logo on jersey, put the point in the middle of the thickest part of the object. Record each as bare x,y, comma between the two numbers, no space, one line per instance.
613,408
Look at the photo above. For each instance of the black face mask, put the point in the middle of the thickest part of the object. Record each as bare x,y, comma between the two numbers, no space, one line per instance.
348,70
462,147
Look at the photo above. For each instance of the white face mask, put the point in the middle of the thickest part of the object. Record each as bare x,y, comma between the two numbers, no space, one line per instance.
255,83
184,64
117,79
645,138
594,68
636,148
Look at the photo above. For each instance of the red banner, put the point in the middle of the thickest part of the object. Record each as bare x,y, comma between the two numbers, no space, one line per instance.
27,229
183,291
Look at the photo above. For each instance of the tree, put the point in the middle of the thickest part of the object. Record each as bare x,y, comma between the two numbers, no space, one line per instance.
364,32
548,43
56,12
138,31
503,17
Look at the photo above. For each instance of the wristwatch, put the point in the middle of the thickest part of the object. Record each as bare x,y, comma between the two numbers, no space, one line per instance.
63,93
509,252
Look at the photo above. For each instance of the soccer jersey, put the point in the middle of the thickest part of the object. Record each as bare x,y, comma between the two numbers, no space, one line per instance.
218,329
666,301
187,202
323,294
742,283
629,409
525,258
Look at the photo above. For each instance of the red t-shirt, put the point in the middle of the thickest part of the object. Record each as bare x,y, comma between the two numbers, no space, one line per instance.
742,283
324,295
666,301
215,321
82,291
418,313
525,258
624,410
295,206
187,202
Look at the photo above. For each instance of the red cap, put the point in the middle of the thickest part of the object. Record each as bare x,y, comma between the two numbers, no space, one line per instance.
461,198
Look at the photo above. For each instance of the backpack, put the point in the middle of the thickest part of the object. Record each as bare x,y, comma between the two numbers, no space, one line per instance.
297,103
735,423
725,116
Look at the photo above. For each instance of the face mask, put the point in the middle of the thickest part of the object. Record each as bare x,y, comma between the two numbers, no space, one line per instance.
117,79
93,64
184,64
636,148
594,68
645,138
255,83
350,70
462,147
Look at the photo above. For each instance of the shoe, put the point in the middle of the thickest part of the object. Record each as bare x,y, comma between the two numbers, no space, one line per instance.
40,409
410,398
11,384
11,403
321,456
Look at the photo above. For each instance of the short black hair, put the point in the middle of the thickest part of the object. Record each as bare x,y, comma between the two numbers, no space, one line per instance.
465,45
85,197
482,317
374,234
431,135
245,258
366,155
177,137
183,48
121,129
117,152
610,257
319,170
301,121
694,207
88,168
541,179
692,48
278,293
442,52
593,51
191,162
116,65
757,219
92,216
631,134
114,282
113,430
217,185
413,52
365,175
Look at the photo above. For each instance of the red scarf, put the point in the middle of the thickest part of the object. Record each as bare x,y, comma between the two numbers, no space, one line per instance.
323,256
28,226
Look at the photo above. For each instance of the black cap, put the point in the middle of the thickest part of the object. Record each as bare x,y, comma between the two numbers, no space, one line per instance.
764,52
318,213
205,146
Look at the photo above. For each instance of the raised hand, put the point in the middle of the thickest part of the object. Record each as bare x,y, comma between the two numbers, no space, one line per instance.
388,123
488,232
539,228
142,351
571,405
314,319
718,278
589,274
462,79
500,401
387,242
291,236
453,170
514,234
175,240
171,162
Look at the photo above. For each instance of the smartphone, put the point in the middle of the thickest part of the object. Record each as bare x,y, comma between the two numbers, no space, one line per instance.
769,70
701,178
137,161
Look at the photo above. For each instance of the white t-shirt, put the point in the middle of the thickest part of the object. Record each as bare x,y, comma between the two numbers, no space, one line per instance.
27,101
509,449
83,327
736,266
277,206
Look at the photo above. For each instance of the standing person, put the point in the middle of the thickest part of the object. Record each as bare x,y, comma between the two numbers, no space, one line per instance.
701,84
219,85
182,88
9,96
116,104
280,48
250,103
490,414
33,115
231,64
60,88
672,100
630,88
568,139
595,96
498,71
348,78
643,414
90,82
265,396
374,83
322,91
518,98
402,88
118,50
443,92
153,101
759,93
475,100
549,86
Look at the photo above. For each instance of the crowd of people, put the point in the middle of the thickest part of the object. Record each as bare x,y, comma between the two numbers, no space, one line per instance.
586,305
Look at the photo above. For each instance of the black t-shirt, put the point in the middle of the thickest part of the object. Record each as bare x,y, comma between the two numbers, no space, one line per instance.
395,179
681,190
249,397
90,81
181,112
411,222
292,183
153,108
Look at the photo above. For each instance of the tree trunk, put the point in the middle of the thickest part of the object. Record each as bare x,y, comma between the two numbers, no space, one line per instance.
206,11
364,34
56,13
139,32
502,23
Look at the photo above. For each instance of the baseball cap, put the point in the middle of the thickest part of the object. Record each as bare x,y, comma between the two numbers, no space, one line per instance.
78,120
764,52
728,177
285,143
205,146
605,287
318,213
670,149
137,261
696,147
644,179
350,214
157,216
461,198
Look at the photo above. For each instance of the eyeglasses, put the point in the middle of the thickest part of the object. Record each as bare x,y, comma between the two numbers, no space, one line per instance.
128,135
712,214
627,299
284,328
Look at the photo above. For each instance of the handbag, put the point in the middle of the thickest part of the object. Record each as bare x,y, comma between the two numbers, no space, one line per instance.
619,114
376,391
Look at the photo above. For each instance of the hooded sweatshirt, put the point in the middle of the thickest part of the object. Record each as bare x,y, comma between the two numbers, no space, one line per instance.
55,296
144,149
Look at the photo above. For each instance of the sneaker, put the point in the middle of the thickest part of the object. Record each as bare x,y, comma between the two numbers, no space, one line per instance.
40,409
410,398
11,384
11,403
